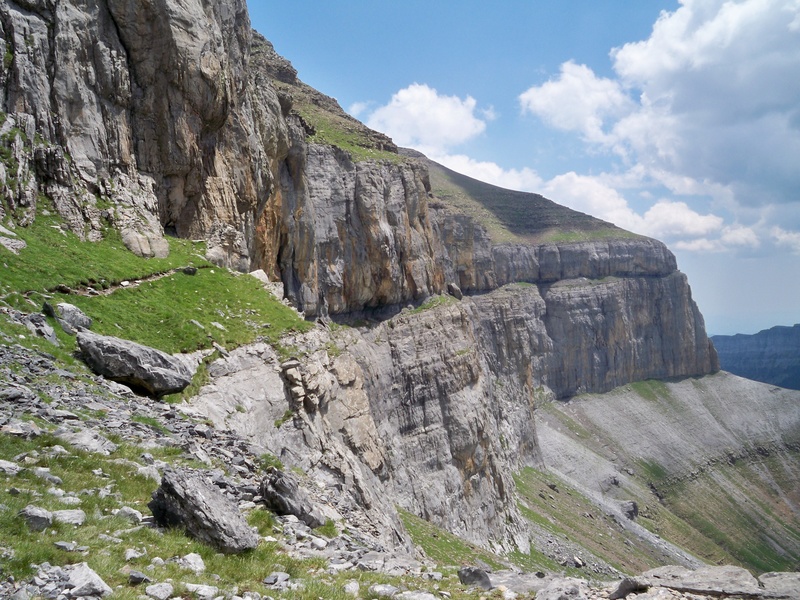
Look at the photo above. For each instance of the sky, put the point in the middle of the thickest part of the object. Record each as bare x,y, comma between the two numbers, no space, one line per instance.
674,119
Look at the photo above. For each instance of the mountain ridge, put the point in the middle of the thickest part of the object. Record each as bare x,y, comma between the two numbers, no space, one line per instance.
437,326
771,355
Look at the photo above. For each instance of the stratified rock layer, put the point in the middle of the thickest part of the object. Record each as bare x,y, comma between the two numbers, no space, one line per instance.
771,356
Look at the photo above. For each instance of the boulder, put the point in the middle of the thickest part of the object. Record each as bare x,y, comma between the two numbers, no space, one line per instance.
185,499
133,364
780,585
38,325
83,582
454,291
70,517
628,586
282,494
630,509
474,576
717,581
567,587
87,440
38,519
73,317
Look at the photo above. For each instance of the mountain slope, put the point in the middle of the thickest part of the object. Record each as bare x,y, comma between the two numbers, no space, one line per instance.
444,315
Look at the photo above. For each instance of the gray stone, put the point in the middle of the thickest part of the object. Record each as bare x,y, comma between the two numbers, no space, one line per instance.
416,596
383,590
630,509
717,580
137,578
352,588
282,494
159,591
454,291
87,440
277,578
474,576
38,519
70,517
38,325
131,514
186,500
192,562
136,365
628,586
204,592
567,588
9,468
73,316
85,582
780,585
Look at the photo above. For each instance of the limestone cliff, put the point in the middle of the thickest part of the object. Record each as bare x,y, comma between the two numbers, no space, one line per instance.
175,117
771,355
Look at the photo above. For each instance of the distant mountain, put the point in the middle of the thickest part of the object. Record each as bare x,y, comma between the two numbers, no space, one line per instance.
771,356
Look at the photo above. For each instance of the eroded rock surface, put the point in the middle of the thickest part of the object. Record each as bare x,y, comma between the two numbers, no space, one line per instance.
185,499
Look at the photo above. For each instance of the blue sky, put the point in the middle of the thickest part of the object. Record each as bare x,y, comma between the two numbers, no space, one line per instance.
679,120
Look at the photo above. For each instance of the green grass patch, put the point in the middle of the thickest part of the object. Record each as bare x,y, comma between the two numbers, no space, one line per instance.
328,529
651,389
231,310
55,256
150,422
444,547
433,302
554,506
335,131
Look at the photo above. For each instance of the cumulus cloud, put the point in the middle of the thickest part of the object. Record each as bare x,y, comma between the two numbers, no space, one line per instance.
704,112
420,117
719,96
707,106
525,180
787,239
358,108
578,101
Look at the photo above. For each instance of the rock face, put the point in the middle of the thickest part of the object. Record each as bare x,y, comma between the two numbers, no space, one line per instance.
175,117
139,366
771,356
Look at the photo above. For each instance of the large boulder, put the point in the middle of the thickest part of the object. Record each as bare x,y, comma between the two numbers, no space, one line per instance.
725,580
138,366
475,576
283,495
186,500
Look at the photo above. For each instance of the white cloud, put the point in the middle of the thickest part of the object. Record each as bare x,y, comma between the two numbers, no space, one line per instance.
788,239
525,180
740,236
719,96
577,100
707,107
358,108
419,117
669,219
592,196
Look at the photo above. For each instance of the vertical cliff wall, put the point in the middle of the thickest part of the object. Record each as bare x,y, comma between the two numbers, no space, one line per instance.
174,117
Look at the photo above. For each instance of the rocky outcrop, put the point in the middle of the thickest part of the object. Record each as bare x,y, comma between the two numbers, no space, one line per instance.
771,356
175,117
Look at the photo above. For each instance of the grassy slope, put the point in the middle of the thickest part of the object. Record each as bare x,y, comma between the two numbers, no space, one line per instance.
735,511
157,312
512,216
